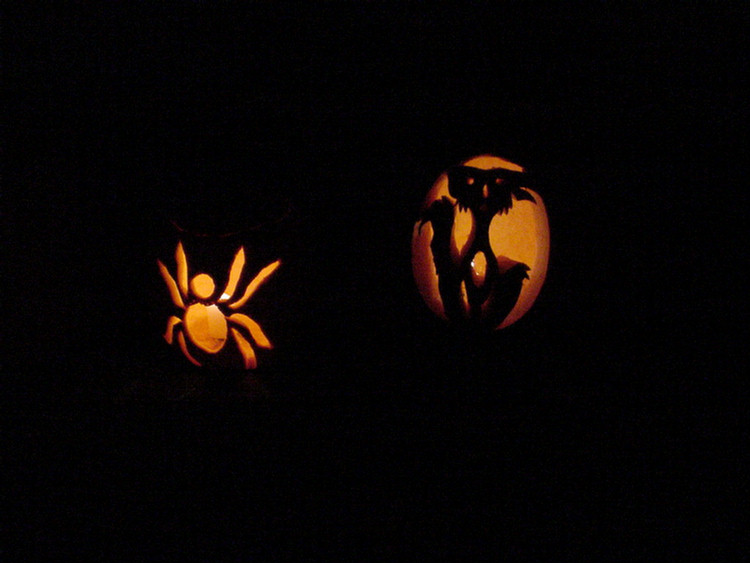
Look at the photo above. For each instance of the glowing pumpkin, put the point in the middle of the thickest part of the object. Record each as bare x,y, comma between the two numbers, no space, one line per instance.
208,316
481,245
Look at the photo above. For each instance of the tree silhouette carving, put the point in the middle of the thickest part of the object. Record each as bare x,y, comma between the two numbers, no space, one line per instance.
484,193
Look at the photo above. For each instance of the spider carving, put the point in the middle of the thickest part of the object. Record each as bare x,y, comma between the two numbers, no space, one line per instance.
207,319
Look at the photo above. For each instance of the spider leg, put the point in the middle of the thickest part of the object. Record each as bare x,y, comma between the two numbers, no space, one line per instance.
171,285
169,334
248,354
234,275
182,269
183,347
169,337
258,280
253,328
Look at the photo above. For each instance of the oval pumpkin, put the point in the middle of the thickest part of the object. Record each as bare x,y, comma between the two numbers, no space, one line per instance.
481,245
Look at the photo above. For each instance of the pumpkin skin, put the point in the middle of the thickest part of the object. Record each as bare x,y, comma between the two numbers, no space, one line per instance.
477,260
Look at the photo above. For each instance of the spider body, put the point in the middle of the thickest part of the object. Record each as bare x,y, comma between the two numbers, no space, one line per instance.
208,320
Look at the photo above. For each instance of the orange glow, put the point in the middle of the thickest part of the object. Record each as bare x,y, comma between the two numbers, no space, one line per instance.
464,299
206,327
182,270
206,324
169,334
262,276
202,286
248,354
253,328
479,269
519,236
234,275
174,293
183,347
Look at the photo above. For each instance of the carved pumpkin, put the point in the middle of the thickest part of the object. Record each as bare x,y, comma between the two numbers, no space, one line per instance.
208,316
481,245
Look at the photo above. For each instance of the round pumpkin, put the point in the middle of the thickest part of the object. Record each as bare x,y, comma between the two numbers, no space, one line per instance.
222,279
480,247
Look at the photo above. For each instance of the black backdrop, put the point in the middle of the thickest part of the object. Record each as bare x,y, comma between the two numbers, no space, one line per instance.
590,426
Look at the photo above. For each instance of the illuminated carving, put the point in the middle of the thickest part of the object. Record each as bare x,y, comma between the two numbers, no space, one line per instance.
481,246
207,318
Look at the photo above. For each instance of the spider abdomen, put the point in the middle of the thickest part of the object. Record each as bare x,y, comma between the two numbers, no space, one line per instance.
206,326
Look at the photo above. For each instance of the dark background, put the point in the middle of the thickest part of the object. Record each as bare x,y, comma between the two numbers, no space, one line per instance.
605,421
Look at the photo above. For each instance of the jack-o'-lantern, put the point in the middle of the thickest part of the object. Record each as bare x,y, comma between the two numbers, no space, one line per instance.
208,316
481,245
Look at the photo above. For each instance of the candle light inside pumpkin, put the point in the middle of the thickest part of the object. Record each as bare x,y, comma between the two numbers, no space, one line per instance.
481,246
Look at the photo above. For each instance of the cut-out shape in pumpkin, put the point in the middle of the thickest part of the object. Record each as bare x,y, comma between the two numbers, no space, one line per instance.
481,245
208,319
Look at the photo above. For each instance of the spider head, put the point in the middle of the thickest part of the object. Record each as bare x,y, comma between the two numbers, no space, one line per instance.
202,286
